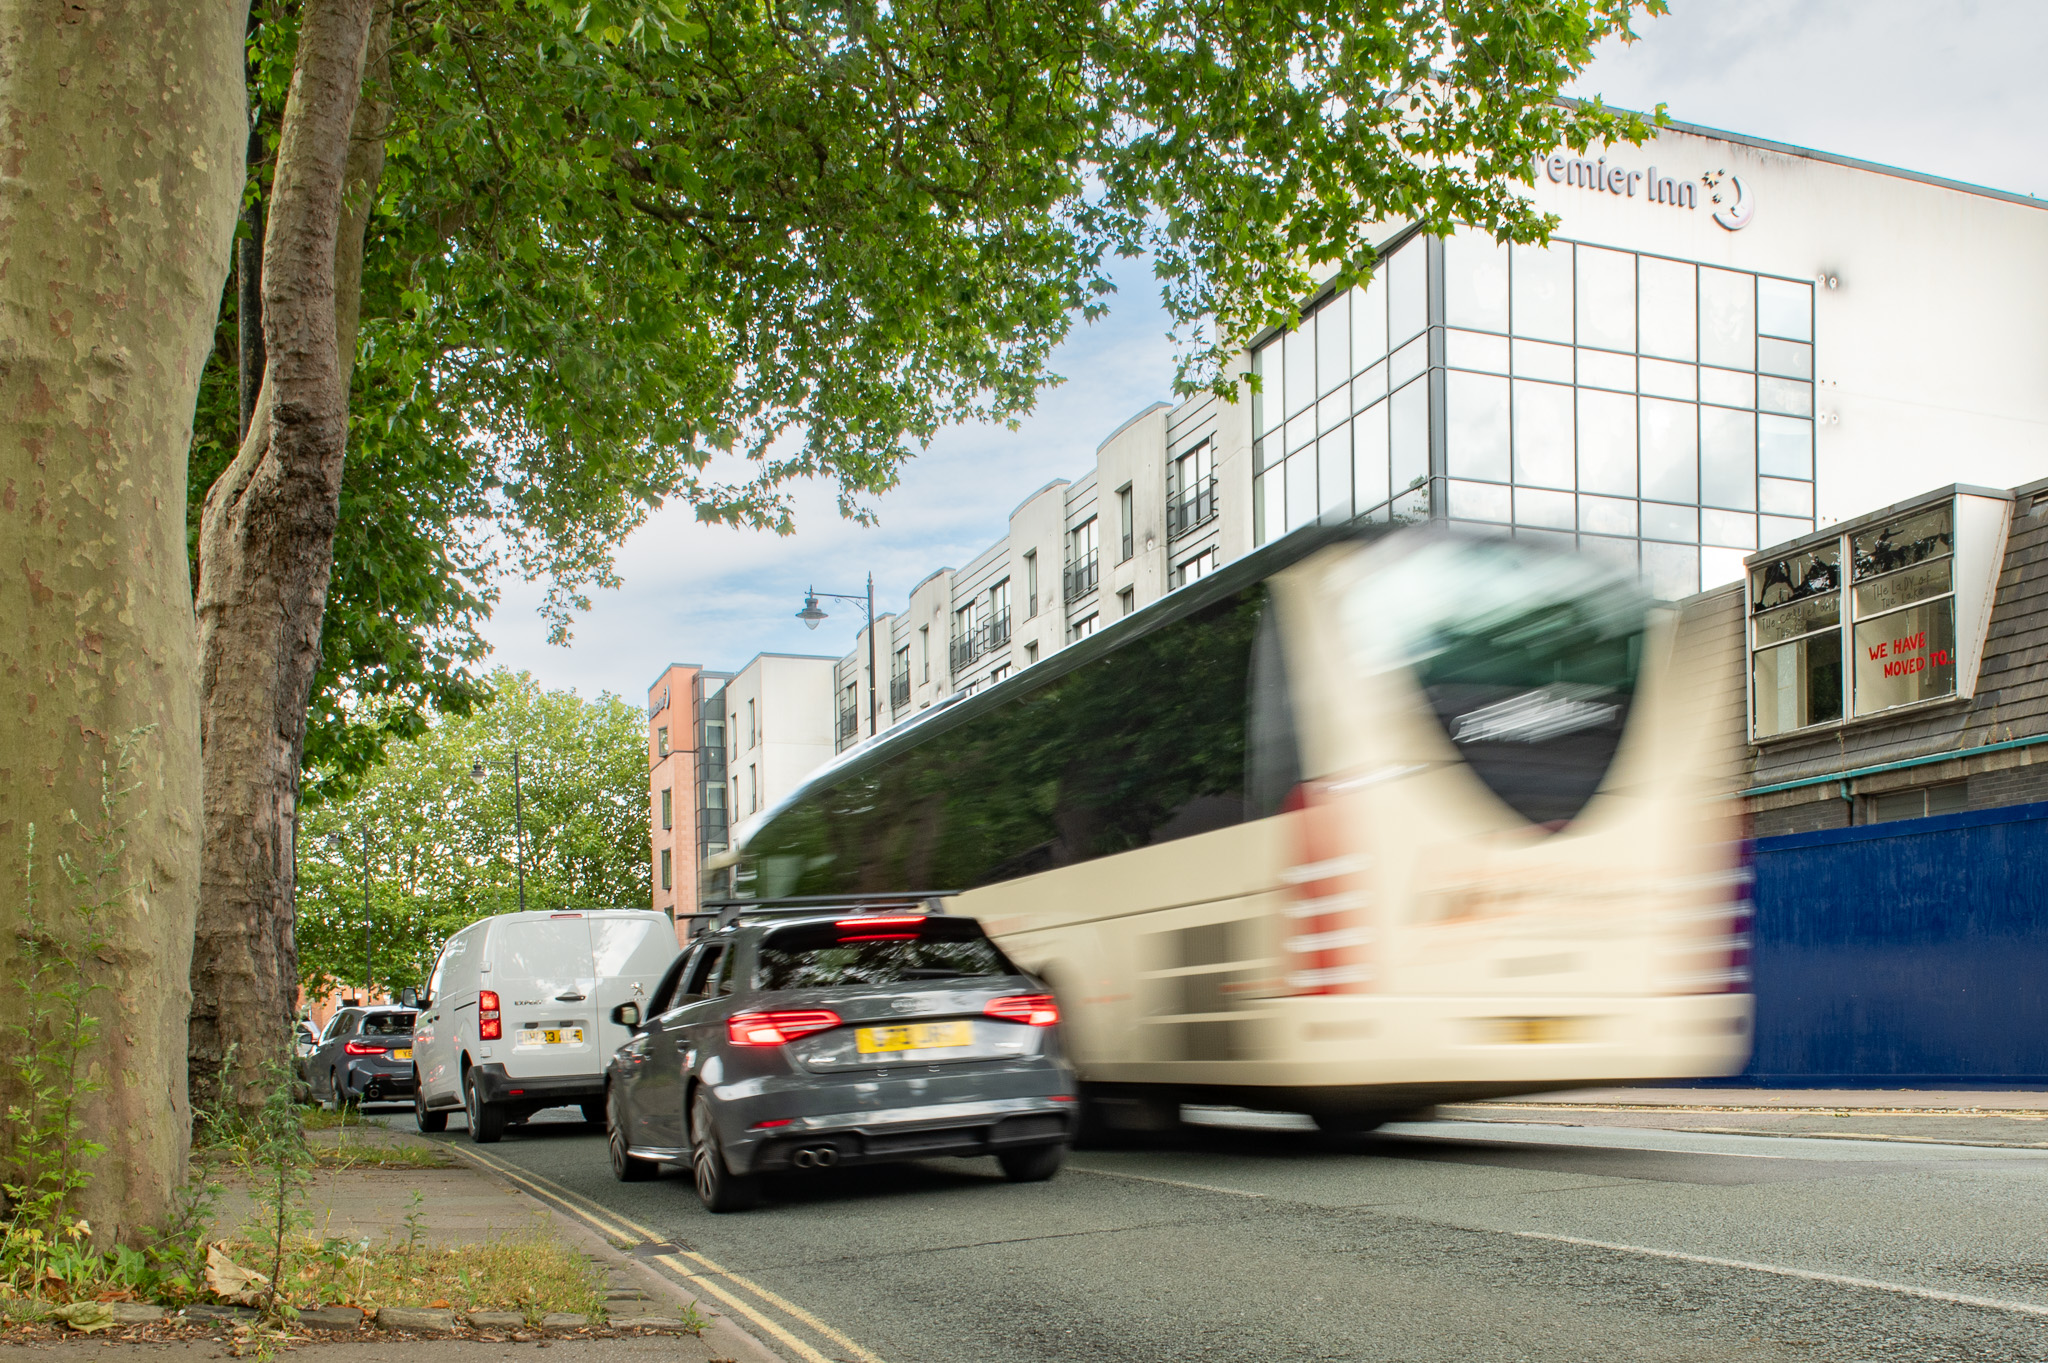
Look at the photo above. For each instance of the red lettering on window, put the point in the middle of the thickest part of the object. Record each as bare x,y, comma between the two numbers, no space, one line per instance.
1878,652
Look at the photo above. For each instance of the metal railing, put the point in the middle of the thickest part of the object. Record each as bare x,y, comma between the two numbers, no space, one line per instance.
1080,576
849,723
1196,507
899,690
979,642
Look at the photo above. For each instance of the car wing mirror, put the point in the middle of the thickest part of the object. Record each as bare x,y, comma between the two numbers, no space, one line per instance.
410,998
627,1015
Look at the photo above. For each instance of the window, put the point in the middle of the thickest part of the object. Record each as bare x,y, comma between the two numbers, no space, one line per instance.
1127,600
899,678
1900,610
668,809
924,650
1923,802
661,740
821,958
1031,653
999,614
714,734
702,971
1195,569
1124,514
1190,492
753,790
1085,626
753,724
714,797
998,674
1082,571
668,869
733,731
1030,584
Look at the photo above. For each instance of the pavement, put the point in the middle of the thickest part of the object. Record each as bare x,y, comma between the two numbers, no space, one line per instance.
1989,1117
459,1203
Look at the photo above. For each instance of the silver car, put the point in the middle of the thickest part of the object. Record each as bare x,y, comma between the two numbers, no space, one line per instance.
838,1038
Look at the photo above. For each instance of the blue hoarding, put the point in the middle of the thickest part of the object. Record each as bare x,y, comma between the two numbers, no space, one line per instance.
1905,953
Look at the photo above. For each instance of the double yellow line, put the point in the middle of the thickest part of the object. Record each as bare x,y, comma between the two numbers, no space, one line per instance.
694,1269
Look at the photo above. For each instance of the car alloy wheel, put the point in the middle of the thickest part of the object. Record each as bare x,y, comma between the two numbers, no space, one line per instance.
718,1187
626,1167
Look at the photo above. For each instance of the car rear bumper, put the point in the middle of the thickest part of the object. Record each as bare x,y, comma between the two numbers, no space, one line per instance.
919,1132
493,1085
371,1082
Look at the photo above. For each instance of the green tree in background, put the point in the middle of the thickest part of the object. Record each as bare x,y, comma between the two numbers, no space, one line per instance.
441,845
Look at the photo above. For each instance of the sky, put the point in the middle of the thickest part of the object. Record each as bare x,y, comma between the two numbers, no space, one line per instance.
1950,88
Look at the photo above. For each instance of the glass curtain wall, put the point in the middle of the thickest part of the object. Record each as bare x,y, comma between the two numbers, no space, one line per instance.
1655,411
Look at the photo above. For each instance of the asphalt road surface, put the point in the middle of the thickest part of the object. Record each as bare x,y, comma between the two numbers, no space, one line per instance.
1453,1241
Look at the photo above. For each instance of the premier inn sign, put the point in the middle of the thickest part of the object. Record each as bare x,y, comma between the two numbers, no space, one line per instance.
1733,207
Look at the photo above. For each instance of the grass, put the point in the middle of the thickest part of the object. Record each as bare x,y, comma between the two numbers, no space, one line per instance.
533,1273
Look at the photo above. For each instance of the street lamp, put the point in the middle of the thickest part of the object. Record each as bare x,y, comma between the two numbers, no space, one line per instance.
812,617
334,844
478,773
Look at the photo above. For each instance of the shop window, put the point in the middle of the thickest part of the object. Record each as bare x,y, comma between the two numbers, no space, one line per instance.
1905,639
1796,640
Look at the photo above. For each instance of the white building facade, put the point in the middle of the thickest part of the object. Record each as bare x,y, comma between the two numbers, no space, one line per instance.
1728,344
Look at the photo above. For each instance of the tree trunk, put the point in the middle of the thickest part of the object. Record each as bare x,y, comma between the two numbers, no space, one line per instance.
265,554
121,134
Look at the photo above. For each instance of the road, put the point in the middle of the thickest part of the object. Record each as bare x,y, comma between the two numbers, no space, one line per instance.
1456,1241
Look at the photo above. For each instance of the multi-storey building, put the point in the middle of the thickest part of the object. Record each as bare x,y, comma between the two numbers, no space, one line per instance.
722,746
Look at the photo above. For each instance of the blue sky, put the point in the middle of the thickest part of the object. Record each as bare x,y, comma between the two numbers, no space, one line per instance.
1951,88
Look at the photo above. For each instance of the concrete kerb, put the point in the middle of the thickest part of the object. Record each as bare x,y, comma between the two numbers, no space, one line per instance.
727,1336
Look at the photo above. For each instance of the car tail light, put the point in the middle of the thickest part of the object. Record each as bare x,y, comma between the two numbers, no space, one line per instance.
774,1122
488,1028
897,921
1038,1010
363,1048
779,1028
878,928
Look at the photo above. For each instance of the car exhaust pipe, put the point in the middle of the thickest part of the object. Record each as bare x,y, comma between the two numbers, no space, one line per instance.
804,1159
820,1157
826,1157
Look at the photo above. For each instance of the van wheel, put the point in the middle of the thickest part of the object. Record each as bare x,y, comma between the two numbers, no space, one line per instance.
718,1187
422,1117
1033,1165
486,1120
626,1167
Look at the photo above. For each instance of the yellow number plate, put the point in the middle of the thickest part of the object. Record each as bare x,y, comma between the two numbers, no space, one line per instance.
915,1036
552,1036
402,1054
1535,1031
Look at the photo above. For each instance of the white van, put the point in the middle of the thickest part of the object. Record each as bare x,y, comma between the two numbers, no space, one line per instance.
517,1015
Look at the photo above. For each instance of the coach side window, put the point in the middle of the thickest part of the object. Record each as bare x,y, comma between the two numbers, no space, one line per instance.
1272,752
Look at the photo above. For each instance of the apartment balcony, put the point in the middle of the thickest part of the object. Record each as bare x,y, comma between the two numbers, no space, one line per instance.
984,639
1081,576
1191,510
849,725
899,690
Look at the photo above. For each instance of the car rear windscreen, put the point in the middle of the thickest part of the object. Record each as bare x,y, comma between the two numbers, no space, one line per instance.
877,951
387,1024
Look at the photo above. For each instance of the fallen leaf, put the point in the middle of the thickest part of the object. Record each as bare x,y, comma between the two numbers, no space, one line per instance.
86,1317
229,1280
438,1304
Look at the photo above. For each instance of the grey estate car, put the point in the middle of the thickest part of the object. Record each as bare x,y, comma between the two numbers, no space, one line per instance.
838,1038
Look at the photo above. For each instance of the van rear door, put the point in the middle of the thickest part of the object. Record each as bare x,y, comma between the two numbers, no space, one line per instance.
540,968
631,951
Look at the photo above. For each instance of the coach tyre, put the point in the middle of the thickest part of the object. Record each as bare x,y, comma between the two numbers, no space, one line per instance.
626,1168
718,1188
421,1117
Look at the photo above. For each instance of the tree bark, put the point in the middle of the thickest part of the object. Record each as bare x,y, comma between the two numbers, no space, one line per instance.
121,135
265,556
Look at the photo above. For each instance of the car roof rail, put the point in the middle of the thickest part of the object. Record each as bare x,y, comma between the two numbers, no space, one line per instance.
728,913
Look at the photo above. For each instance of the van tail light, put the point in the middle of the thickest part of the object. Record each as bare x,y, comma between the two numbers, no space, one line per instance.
488,1028
363,1048
1036,1010
778,1028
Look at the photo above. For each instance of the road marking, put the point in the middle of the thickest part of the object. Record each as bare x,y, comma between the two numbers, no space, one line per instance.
1169,1182
1779,1270
610,1223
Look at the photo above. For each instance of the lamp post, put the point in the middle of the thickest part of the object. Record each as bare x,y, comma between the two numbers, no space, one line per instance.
478,773
334,844
812,617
